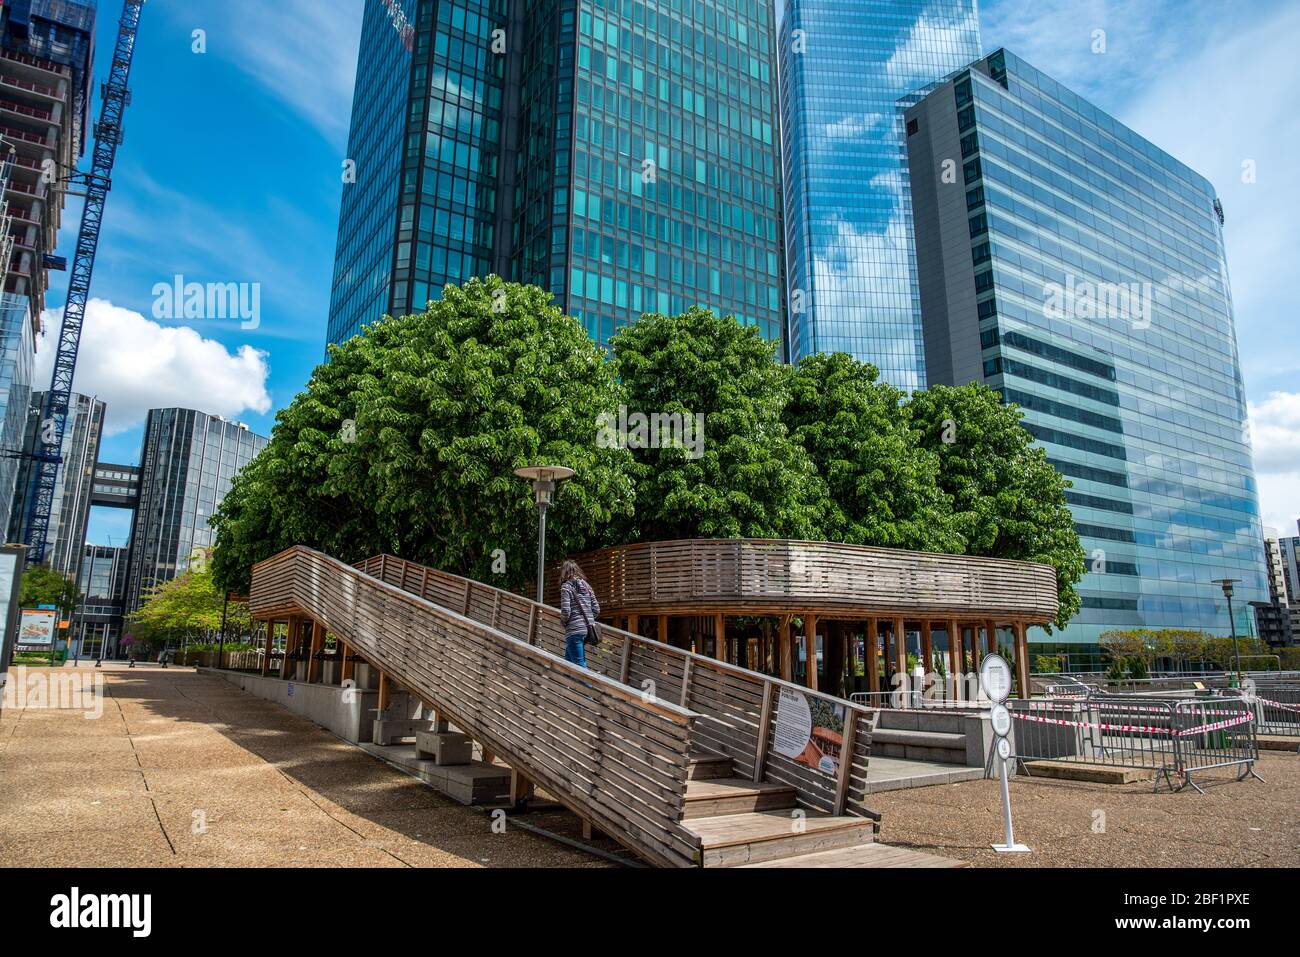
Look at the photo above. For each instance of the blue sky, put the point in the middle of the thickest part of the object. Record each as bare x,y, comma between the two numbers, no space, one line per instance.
230,172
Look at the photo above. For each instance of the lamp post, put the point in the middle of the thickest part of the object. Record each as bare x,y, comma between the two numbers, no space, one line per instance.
1226,584
545,479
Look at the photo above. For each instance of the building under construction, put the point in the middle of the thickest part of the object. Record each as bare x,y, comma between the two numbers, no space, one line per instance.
47,50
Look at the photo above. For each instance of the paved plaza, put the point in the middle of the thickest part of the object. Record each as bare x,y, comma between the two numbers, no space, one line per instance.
183,769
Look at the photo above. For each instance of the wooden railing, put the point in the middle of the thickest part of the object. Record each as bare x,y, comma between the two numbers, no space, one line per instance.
734,708
612,755
757,575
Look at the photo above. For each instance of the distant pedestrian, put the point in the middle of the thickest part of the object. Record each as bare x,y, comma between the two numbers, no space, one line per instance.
578,612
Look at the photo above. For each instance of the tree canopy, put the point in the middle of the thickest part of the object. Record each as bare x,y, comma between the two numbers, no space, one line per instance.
744,477
405,442
42,585
883,485
406,439
188,606
1007,499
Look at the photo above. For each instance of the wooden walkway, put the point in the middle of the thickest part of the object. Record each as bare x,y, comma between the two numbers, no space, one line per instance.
666,751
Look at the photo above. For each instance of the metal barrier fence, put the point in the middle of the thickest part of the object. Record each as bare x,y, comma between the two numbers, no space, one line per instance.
1277,708
1170,738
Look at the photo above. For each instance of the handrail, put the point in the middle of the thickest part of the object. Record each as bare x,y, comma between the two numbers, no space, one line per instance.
736,706
615,757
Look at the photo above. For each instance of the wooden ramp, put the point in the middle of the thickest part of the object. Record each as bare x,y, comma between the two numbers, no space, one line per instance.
666,751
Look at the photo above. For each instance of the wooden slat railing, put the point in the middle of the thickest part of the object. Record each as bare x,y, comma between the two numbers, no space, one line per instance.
753,576
615,757
734,708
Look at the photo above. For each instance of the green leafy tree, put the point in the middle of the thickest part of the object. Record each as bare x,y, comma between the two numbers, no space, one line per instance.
1008,501
748,478
406,439
42,585
190,607
884,486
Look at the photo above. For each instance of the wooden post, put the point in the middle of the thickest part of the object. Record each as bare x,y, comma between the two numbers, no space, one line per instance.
521,788
810,644
270,637
720,636
954,658
786,640
871,648
385,692
662,634
900,646
1022,659
846,761
991,636
851,658
927,652
345,666
317,643
764,718
634,624
290,644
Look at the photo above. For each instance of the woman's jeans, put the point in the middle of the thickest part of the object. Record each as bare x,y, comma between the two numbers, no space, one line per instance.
575,649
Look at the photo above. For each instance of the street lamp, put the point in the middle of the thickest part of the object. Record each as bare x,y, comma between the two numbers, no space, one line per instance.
1226,584
545,479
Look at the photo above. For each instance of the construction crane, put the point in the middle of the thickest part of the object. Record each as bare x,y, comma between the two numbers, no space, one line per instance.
108,137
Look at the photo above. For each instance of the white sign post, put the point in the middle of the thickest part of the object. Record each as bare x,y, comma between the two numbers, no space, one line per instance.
995,682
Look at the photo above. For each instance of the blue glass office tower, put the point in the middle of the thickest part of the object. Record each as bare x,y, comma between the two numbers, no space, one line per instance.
850,269
1079,270
621,154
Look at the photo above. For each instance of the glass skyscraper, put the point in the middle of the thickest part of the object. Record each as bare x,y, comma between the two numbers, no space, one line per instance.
186,464
845,65
621,154
1080,271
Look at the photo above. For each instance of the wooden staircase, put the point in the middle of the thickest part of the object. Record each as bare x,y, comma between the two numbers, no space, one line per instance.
740,823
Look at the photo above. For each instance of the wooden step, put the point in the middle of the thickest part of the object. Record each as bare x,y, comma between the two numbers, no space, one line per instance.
735,839
714,797
704,767
865,855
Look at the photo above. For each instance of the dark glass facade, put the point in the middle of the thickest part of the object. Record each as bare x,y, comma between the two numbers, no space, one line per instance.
186,465
621,154
1079,270
845,64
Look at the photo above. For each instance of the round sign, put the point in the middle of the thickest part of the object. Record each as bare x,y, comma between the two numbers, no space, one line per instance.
1004,749
1001,718
995,678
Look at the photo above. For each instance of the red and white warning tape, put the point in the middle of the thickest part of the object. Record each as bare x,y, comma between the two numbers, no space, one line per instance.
1231,719
1278,704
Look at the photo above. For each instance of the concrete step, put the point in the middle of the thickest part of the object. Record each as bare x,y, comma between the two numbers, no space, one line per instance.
714,797
735,839
896,720
864,855
941,746
705,767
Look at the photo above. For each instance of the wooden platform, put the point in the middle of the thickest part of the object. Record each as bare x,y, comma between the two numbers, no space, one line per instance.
868,855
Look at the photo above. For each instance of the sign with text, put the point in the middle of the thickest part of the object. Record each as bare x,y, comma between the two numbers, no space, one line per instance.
36,630
810,731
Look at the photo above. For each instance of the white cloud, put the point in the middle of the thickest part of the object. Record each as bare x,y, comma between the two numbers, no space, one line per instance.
1275,430
134,364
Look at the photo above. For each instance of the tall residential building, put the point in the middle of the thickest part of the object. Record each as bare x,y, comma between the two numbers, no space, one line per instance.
46,64
621,155
70,507
1273,617
1289,555
1076,268
848,67
186,464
